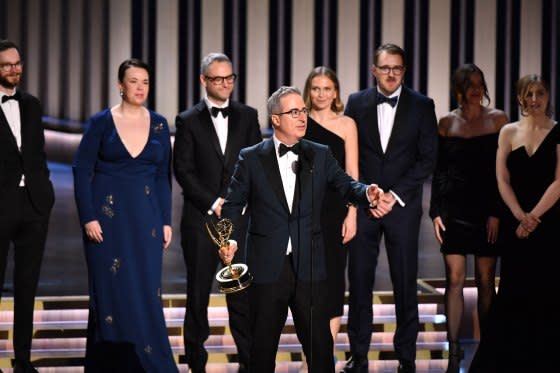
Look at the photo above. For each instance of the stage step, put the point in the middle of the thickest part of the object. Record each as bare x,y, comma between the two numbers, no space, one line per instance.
377,366
60,328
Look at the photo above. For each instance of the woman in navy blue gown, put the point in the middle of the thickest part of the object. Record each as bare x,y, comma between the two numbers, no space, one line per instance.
123,194
326,125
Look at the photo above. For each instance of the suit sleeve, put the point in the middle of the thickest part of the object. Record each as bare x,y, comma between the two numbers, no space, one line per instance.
238,193
163,175
350,190
84,169
185,167
426,154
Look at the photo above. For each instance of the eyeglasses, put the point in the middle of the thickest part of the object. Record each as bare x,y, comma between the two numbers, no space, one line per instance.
217,80
294,113
397,70
6,67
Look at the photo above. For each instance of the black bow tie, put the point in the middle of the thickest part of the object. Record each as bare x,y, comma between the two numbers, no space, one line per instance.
7,98
216,110
283,149
390,100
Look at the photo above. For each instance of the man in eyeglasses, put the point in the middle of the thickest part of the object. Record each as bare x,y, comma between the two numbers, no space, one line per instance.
397,132
26,196
207,142
285,179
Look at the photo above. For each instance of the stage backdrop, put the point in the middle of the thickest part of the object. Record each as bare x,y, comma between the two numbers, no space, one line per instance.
72,48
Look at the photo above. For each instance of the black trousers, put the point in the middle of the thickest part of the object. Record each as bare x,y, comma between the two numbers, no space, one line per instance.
202,262
269,305
27,230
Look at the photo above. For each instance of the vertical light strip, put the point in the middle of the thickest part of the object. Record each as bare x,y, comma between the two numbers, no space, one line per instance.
439,69
74,67
348,51
51,102
212,30
167,57
392,28
257,57
303,24
120,43
530,35
32,55
485,43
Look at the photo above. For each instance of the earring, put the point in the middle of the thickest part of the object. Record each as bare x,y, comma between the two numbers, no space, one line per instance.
121,93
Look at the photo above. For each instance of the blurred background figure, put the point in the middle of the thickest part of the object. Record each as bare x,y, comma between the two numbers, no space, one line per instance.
26,196
207,143
326,125
465,204
122,186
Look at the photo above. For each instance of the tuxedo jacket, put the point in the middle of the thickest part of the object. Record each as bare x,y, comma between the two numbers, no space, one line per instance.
200,167
257,181
31,160
411,152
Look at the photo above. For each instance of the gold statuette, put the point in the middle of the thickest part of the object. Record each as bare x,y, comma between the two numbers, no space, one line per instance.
233,277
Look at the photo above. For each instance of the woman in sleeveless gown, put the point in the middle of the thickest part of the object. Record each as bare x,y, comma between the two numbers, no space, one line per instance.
327,126
123,194
522,328
466,222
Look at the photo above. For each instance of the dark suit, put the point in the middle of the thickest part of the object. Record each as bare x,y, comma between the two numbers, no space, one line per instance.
24,213
283,281
407,163
204,172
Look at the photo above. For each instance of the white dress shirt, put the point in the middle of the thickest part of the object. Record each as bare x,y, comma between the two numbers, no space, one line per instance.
220,123
11,111
287,167
221,127
386,118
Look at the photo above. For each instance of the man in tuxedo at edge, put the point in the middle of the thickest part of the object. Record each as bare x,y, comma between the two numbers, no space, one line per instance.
26,196
208,139
284,179
397,131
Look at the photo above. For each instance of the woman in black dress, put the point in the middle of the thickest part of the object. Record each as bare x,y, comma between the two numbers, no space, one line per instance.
464,200
522,330
326,125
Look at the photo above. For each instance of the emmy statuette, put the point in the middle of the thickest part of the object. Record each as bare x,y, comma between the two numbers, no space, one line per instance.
234,276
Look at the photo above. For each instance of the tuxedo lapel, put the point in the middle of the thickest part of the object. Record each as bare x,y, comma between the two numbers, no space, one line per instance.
6,130
399,125
208,126
234,135
270,167
372,128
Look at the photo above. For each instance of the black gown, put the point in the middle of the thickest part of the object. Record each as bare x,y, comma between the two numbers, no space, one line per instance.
332,216
465,193
522,333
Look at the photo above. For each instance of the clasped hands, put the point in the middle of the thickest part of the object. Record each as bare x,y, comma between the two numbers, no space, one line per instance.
380,203
527,225
227,252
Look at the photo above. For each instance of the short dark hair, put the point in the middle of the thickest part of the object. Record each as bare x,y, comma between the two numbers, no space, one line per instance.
131,62
390,49
337,106
461,81
7,44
